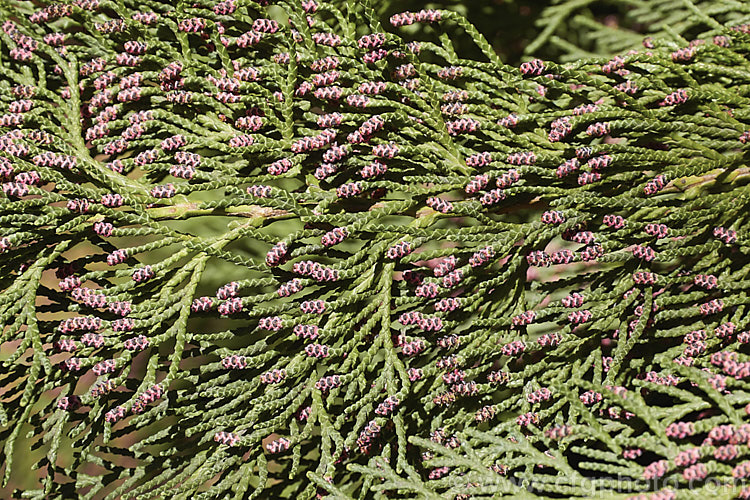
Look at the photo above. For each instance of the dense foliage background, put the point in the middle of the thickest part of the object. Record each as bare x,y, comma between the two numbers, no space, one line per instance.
297,249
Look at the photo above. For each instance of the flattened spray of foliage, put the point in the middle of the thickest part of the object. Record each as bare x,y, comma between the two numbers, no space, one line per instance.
280,251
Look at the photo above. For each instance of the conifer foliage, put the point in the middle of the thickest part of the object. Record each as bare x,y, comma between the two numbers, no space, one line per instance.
258,249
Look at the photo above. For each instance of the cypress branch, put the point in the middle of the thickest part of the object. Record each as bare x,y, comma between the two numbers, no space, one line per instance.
294,250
